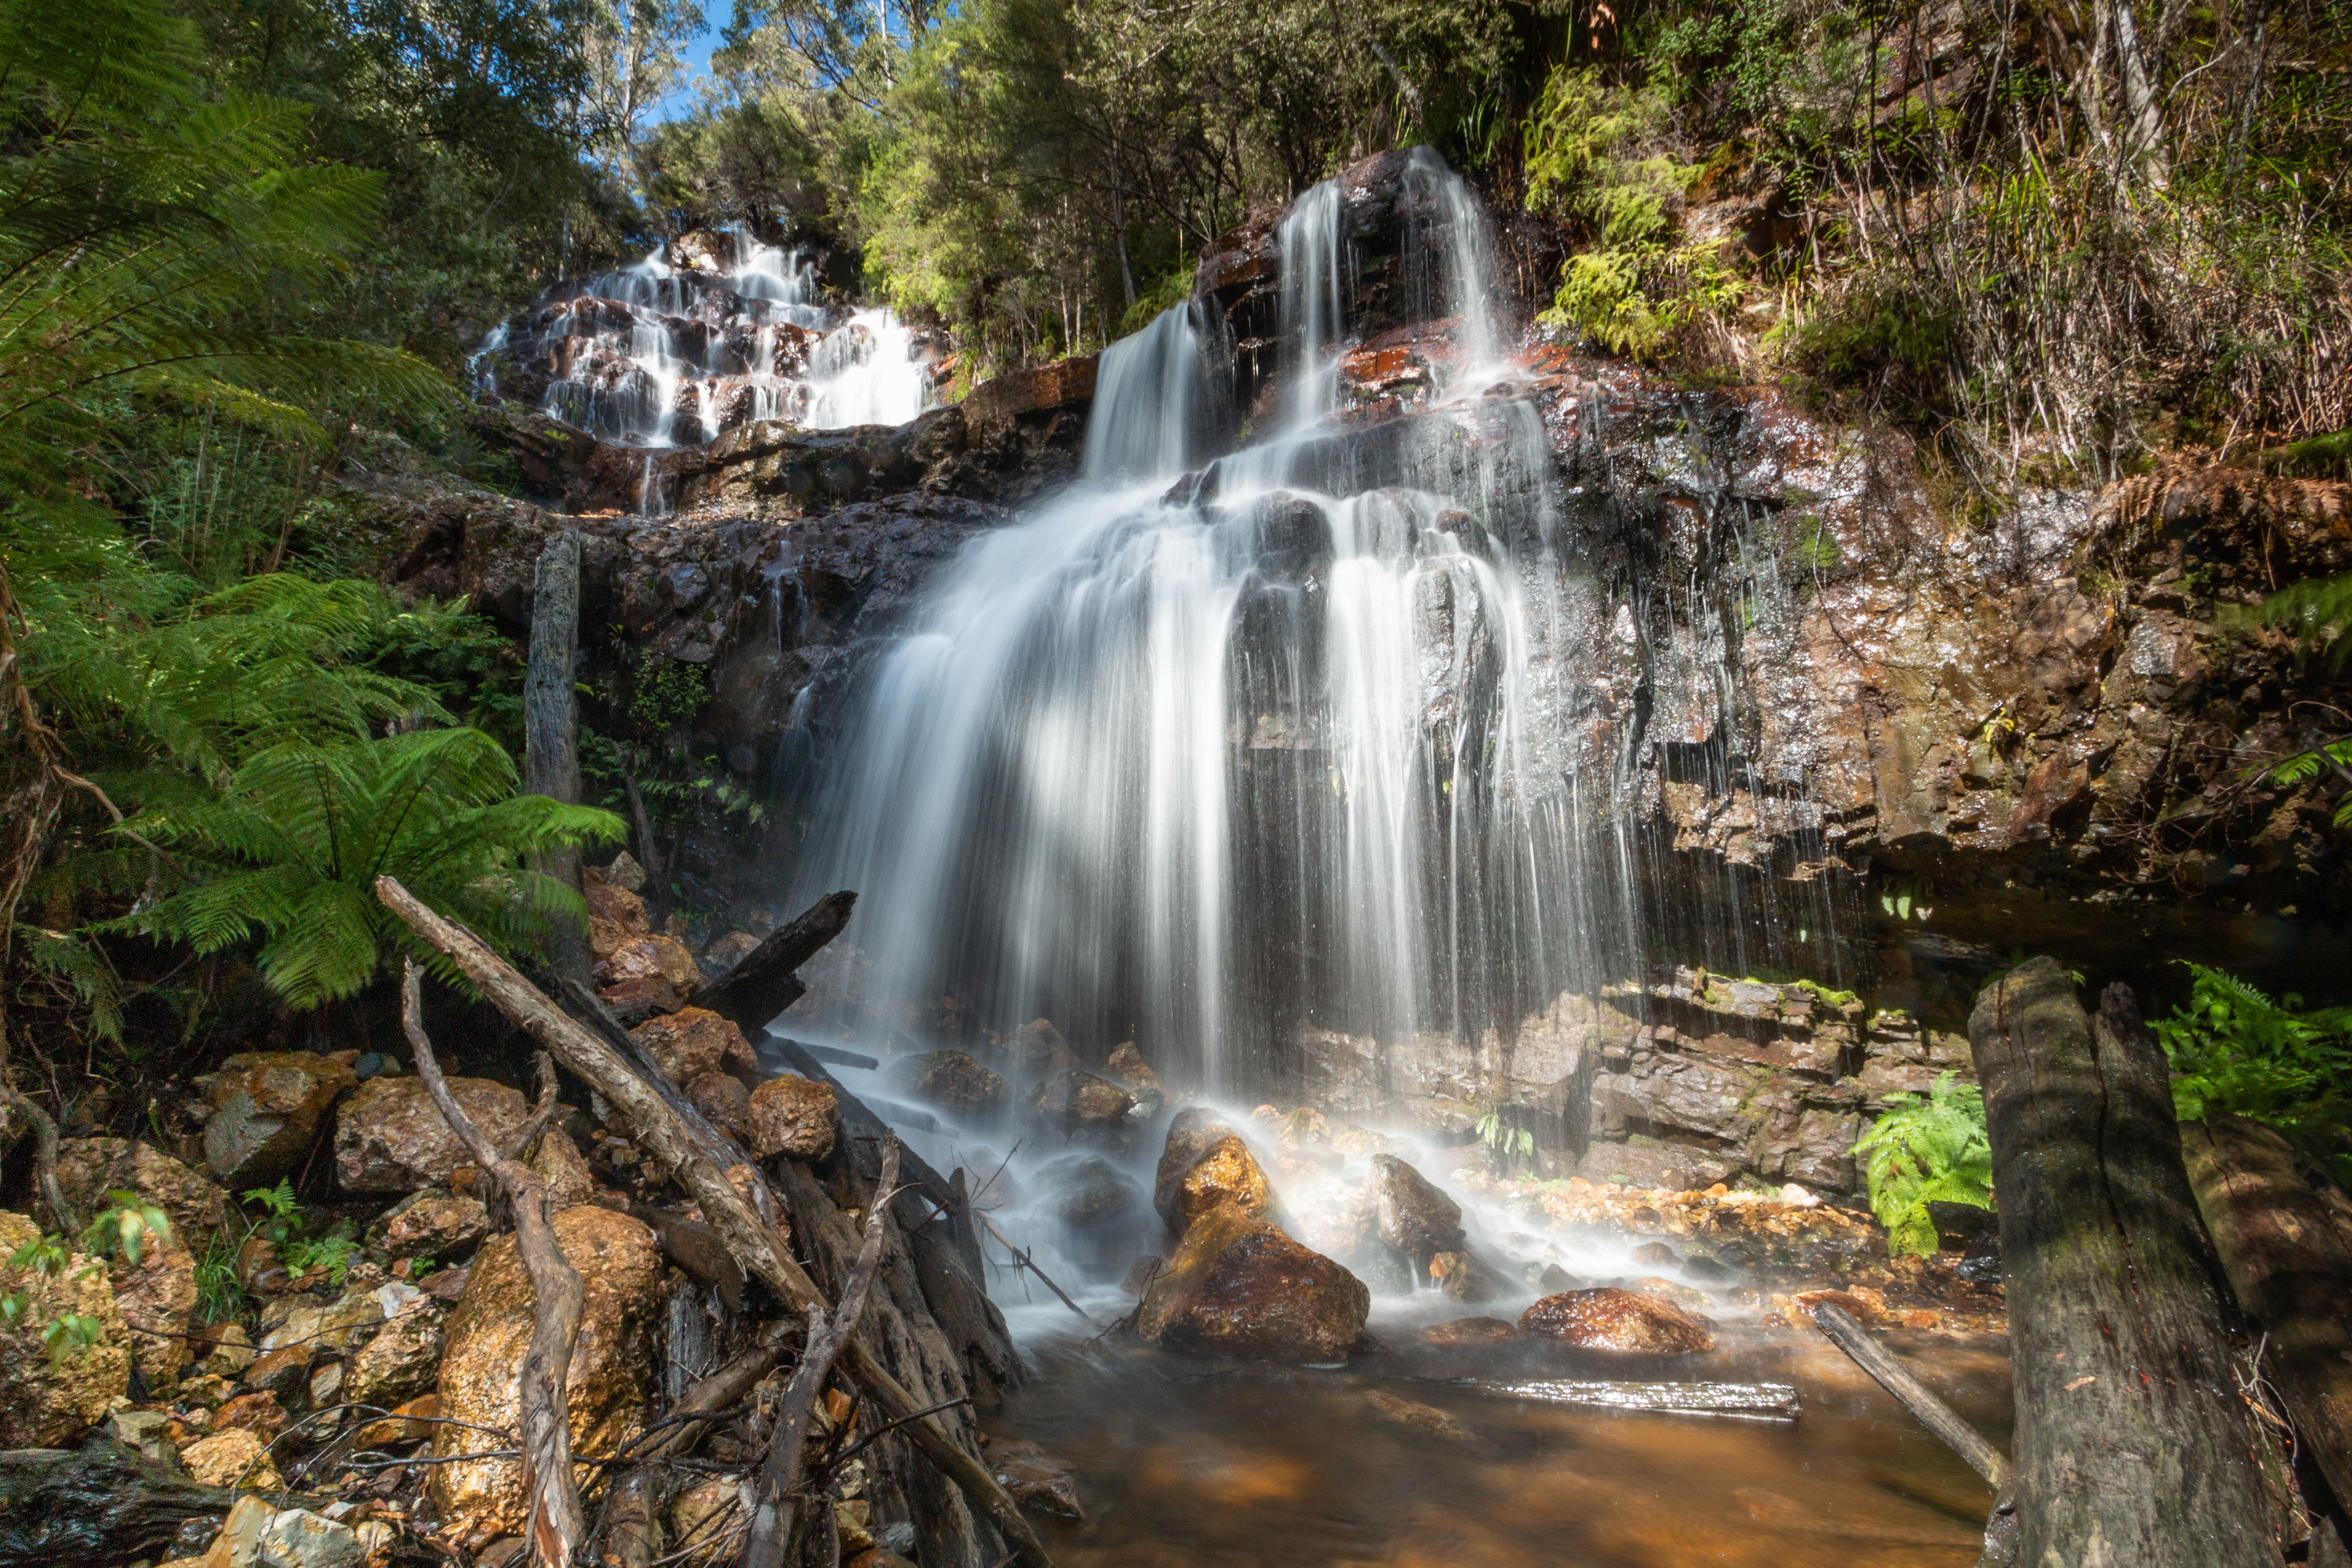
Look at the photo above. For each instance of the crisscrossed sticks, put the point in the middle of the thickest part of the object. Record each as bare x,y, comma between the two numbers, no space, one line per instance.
658,1129
557,1525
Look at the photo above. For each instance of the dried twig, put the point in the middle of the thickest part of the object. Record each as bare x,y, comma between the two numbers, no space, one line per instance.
557,1526
780,1477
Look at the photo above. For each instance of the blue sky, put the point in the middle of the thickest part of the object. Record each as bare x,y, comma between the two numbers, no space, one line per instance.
698,63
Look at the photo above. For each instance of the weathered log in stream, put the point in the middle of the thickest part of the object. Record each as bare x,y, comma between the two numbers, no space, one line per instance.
2133,1444
2290,1266
102,1503
764,982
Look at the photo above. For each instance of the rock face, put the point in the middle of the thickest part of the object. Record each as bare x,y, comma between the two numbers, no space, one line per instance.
89,1168
389,1136
693,1041
265,1107
792,1117
46,1404
952,1081
1238,1287
1225,1176
1415,1218
489,1331
1621,1321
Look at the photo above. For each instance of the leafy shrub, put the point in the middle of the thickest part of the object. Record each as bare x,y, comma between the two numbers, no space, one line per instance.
2234,1049
1923,1151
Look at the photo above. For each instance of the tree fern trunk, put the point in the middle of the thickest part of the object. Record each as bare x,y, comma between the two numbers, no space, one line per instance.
551,721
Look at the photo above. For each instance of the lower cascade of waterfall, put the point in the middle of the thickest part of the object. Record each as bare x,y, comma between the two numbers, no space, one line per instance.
725,332
1225,753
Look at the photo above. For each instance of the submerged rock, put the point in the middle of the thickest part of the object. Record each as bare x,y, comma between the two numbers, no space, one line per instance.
1035,1478
1419,1418
490,1332
791,1117
949,1079
391,1137
1470,1330
1239,1286
1613,1320
265,1107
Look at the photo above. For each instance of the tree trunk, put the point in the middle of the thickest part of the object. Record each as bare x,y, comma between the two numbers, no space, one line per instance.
551,724
764,984
2133,1444
2291,1269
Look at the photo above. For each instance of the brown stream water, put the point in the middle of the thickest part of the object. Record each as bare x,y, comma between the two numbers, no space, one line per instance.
1198,1463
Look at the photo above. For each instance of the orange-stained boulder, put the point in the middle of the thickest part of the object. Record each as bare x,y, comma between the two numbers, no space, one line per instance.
1227,1174
1239,1286
692,1042
792,1117
1613,1320
488,1333
391,1137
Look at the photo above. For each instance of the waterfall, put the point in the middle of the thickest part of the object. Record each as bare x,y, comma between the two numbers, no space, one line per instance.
1290,749
656,355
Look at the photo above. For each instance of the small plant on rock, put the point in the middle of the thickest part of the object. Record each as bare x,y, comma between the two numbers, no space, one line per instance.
2234,1049
1923,1150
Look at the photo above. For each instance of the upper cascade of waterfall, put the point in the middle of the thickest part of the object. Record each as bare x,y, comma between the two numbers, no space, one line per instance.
714,331
1149,401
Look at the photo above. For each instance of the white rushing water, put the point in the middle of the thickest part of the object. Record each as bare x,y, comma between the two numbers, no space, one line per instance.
657,355
1214,753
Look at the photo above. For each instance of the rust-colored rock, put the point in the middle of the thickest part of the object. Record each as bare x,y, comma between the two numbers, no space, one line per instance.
231,1458
721,1097
792,1117
284,1373
89,1168
402,1359
157,1297
1470,1330
45,1404
1613,1320
1129,1070
389,1136
412,1422
1227,1175
490,1332
1239,1286
636,1001
993,405
692,1042
258,1413
949,1079
1420,1417
437,1227
265,1108
616,914
1191,1134
650,957
1082,1103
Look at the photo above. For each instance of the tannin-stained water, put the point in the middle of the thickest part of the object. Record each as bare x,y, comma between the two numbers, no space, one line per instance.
1209,751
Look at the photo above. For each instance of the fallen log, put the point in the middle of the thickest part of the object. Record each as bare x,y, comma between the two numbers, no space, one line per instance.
101,1503
2291,1271
2133,1443
763,983
780,1475
661,1130
1746,1401
556,1526
1916,1396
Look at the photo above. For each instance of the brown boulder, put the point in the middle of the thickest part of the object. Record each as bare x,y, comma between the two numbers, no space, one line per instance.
401,1361
231,1458
389,1136
89,1168
651,957
1415,1218
615,915
265,1106
949,1079
1193,1133
412,1422
438,1226
258,1413
692,1042
1620,1321
792,1117
490,1332
1129,1070
1037,1052
721,1097
1238,1287
728,951
634,1001
1470,1330
46,1403
1083,1103
1226,1175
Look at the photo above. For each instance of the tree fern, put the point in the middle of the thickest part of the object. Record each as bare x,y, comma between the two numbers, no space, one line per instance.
1923,1151
2235,1049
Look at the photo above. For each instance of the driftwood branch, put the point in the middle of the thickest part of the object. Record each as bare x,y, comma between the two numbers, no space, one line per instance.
779,1477
557,1526
764,984
661,1130
1914,1396
45,1158
524,1144
1026,1261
